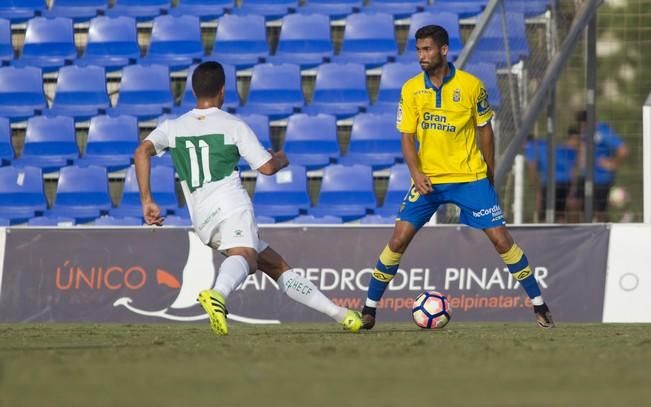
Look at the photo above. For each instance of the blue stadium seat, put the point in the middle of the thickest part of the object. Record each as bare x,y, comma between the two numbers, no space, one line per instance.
490,47
488,74
318,220
529,8
270,9
340,90
347,192
21,92
241,40
18,11
399,183
21,193
82,193
398,8
275,91
4,222
141,10
447,20
111,142
464,8
163,190
394,75
374,141
49,44
377,220
108,220
78,10
369,39
304,40
177,221
175,42
145,91
50,143
112,43
336,9
39,221
264,220
311,141
7,152
282,196
183,212
163,161
231,96
260,125
80,92
204,9
6,48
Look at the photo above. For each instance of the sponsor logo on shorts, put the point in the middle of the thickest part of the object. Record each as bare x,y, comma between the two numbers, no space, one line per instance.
495,211
238,233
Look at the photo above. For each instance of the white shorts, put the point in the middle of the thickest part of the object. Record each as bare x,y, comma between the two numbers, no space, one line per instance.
238,230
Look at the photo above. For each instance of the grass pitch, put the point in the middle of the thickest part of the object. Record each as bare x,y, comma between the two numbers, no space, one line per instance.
319,365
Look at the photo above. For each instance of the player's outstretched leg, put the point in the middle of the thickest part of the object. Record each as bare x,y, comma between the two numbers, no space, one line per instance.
303,291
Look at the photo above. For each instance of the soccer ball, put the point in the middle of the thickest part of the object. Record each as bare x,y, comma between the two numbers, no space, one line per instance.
618,197
431,310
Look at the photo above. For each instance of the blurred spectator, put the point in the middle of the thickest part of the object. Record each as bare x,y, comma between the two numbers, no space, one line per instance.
564,171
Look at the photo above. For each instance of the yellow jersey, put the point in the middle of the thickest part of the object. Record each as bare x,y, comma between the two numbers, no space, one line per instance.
445,122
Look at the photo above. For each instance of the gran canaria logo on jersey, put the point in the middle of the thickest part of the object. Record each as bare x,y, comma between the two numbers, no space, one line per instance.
456,97
483,106
399,114
437,122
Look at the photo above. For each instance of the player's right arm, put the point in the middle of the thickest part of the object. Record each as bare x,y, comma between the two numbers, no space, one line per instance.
407,123
266,162
277,162
154,144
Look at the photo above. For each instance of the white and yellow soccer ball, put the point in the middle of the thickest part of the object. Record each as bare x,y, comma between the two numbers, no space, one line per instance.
431,310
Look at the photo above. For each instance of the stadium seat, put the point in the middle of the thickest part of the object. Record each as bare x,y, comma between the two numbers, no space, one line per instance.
50,143
260,126
177,221
204,9
318,220
112,43
398,8
21,92
529,8
270,9
282,196
399,183
164,160
394,75
241,40
311,141
304,40
7,152
111,142
369,39
340,90
275,91
4,222
490,47
6,47
464,8
163,190
49,44
39,221
77,10
374,141
141,10
346,192
488,74
80,92
21,193
336,9
19,11
377,220
183,212
231,96
108,220
145,91
175,42
447,20
82,193
264,220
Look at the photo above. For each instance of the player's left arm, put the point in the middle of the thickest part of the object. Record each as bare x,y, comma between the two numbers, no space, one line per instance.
487,147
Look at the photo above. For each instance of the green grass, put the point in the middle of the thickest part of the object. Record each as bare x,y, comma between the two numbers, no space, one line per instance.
319,365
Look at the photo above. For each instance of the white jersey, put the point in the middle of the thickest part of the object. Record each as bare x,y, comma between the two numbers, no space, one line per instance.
206,145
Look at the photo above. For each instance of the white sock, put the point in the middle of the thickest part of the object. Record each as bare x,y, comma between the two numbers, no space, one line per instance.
537,300
370,303
232,273
303,291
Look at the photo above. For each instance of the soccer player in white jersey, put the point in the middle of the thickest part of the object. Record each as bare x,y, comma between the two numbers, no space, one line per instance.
206,145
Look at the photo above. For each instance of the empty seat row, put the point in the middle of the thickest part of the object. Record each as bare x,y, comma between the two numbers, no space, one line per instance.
82,194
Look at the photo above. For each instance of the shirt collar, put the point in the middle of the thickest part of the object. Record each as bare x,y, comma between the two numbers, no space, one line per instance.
446,79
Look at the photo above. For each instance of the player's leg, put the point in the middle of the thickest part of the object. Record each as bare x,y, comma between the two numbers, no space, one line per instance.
480,209
303,291
601,193
416,210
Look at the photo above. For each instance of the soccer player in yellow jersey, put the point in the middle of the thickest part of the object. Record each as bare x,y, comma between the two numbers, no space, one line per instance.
446,110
